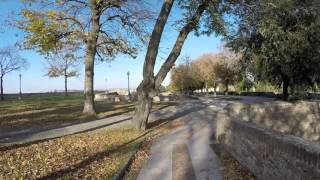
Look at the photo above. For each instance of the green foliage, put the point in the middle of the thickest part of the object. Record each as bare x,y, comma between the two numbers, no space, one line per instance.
213,20
279,39
44,31
184,78
265,87
243,83
162,89
59,23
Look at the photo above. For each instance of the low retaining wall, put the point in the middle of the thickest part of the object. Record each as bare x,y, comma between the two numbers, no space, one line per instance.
267,153
300,119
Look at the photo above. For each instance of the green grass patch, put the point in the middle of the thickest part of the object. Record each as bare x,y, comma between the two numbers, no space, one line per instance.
58,109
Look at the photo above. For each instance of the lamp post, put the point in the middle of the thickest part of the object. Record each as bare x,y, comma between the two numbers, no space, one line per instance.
128,74
106,85
20,93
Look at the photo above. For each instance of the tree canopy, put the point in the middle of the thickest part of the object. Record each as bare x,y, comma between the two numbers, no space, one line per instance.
279,40
206,71
121,25
102,29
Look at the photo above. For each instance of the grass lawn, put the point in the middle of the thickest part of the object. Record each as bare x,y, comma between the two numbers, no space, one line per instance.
91,155
56,109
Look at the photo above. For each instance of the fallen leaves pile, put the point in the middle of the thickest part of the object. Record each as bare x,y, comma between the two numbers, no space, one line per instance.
140,158
230,168
98,154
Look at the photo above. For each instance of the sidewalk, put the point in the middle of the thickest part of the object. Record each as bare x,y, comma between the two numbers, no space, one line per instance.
185,153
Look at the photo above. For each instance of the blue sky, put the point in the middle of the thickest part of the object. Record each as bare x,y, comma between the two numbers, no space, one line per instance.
33,79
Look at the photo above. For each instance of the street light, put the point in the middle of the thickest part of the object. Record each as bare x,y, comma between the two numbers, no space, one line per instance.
20,93
106,85
128,74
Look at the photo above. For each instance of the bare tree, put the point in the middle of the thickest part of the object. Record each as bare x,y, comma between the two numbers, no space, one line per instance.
63,63
10,60
186,77
206,65
227,67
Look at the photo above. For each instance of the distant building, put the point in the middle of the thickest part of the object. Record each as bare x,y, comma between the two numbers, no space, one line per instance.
111,97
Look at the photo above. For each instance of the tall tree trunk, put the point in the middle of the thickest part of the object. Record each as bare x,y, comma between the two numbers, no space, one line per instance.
215,89
285,87
292,89
66,85
315,87
147,85
1,87
227,87
207,91
66,79
89,107
143,110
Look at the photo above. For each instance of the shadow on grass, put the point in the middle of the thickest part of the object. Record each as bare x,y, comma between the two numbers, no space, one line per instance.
64,114
5,148
20,135
123,148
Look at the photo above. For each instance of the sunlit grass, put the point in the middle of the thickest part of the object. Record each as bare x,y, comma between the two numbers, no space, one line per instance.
98,154
58,109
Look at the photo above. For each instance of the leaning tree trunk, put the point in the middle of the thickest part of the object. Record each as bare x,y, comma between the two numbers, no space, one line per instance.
143,109
176,50
144,104
149,84
1,87
89,107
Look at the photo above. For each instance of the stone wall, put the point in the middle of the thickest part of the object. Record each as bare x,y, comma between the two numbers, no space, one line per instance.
300,119
267,153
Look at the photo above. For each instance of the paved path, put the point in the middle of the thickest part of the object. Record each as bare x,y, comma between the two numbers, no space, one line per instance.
185,153
34,134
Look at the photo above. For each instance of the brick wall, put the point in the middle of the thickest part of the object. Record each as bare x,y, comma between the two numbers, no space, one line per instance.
266,153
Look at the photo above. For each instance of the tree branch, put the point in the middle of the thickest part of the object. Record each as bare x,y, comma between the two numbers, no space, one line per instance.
176,50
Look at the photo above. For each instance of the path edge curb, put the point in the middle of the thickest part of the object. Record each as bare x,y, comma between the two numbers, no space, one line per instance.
120,174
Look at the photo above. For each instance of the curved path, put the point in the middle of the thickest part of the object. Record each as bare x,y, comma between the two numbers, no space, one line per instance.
36,133
27,135
186,153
